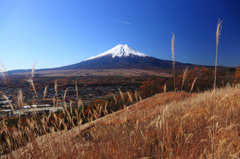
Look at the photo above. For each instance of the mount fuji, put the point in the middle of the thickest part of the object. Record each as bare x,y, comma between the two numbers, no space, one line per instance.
119,60
123,56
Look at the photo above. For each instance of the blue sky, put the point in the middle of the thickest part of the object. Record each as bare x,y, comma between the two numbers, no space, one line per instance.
54,33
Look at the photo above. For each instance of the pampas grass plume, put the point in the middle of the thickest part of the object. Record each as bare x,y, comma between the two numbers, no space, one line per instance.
218,33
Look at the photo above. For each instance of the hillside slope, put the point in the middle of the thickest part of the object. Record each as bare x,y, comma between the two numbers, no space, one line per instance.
167,125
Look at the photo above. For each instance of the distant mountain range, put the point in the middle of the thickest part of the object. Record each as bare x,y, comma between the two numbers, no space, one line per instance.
119,57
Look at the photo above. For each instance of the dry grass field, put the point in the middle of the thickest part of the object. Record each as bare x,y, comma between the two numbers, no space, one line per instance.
167,125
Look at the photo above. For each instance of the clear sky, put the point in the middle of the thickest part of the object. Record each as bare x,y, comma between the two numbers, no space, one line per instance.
55,33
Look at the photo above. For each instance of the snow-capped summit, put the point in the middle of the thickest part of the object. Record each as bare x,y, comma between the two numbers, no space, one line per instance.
121,50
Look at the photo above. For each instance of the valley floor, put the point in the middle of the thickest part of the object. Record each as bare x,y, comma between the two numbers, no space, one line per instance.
101,72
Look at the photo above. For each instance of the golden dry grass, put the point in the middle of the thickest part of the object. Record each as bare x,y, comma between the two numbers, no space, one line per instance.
168,125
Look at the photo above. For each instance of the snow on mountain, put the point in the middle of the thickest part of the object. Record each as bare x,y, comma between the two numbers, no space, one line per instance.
121,50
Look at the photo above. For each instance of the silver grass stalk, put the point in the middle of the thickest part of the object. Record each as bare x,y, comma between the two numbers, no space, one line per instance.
194,81
122,95
33,86
130,97
33,68
184,77
30,80
65,94
20,101
3,75
54,101
114,98
218,33
5,70
55,86
79,103
165,88
136,96
172,47
76,88
45,93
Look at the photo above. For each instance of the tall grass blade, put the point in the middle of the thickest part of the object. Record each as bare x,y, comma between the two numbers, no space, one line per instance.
172,47
218,33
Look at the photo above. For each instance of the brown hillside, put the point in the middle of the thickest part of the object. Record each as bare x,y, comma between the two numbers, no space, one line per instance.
172,125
